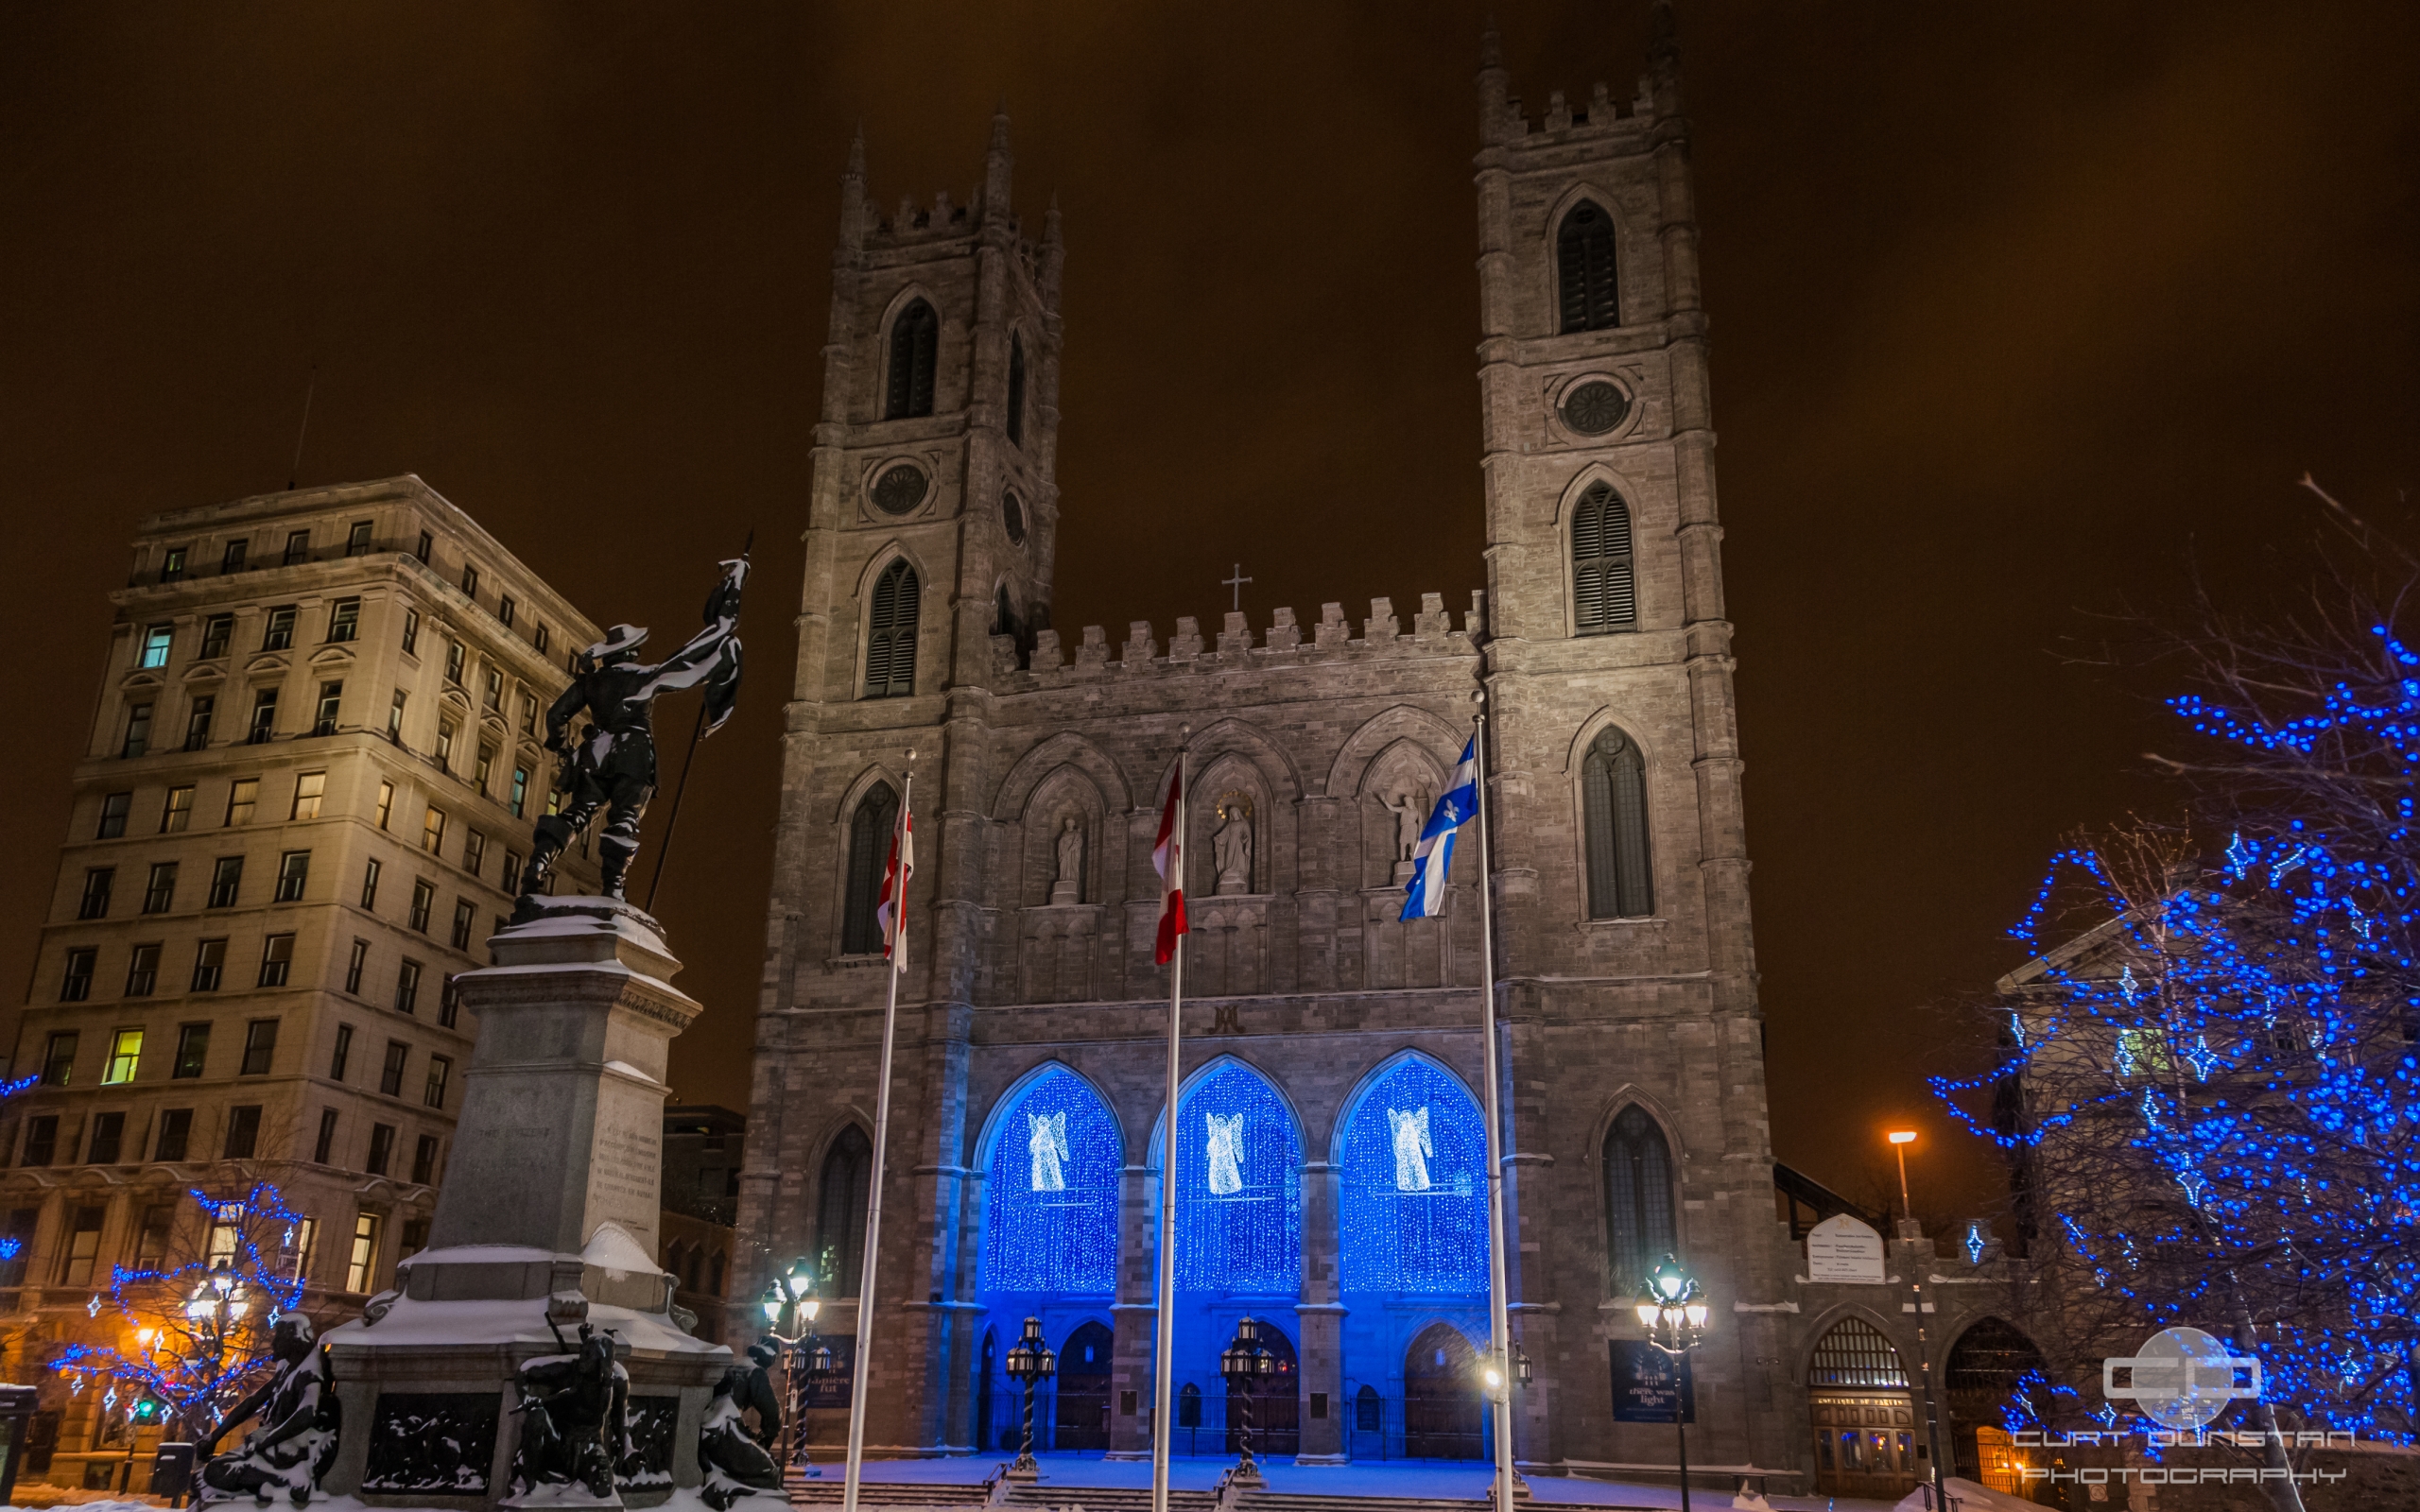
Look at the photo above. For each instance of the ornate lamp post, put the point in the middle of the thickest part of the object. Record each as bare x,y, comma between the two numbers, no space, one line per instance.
791,1298
1244,1361
1029,1360
1675,1322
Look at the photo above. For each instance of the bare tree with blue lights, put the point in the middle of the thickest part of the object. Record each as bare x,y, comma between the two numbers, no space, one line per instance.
2207,1080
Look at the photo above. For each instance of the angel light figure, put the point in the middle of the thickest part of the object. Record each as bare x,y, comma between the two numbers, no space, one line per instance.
1047,1139
1412,1149
1226,1154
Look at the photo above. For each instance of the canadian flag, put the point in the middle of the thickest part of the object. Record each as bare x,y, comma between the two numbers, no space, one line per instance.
1167,858
891,912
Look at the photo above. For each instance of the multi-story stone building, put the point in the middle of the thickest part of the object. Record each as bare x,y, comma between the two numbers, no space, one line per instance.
314,766
703,1147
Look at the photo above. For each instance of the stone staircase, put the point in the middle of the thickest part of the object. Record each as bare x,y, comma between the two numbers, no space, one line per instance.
1296,1502
1109,1498
826,1490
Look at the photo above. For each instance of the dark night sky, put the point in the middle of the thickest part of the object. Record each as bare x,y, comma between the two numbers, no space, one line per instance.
2017,308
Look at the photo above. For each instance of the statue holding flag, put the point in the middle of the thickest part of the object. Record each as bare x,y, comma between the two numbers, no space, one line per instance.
612,766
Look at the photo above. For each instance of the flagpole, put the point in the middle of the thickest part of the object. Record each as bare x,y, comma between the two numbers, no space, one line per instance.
859,1367
1163,1315
1499,1309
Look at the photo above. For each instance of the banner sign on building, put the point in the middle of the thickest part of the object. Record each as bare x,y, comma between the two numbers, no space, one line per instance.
1843,1249
1648,1384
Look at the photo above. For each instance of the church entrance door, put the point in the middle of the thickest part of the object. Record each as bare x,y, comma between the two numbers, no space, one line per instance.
1443,1412
1276,1402
1083,1389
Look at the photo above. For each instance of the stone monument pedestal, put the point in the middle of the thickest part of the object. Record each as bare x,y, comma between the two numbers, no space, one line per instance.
547,1220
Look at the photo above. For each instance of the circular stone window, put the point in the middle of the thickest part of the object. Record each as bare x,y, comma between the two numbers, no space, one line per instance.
1594,408
899,490
1012,517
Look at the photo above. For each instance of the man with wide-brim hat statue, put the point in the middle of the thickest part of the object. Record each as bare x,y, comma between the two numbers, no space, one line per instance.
612,766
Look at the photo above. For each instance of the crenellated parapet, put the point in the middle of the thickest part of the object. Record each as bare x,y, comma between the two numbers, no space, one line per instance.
1284,643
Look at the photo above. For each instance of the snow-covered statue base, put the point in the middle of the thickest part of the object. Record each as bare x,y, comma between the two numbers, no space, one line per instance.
545,1233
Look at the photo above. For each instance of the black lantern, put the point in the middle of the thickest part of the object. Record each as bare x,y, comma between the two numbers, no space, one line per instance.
1029,1360
1244,1361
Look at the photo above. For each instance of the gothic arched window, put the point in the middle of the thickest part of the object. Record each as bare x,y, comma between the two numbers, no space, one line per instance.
1613,787
1638,1200
890,634
915,349
841,1220
1016,390
1586,279
1604,578
868,854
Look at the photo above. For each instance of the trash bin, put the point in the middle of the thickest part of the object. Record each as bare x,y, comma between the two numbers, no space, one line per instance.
172,1472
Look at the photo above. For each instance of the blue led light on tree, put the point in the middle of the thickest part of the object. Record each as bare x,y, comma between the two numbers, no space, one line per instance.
1052,1190
1414,1215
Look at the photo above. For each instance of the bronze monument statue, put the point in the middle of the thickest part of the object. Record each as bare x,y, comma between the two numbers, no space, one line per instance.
612,766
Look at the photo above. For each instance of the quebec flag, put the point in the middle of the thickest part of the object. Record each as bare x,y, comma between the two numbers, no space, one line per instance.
1457,806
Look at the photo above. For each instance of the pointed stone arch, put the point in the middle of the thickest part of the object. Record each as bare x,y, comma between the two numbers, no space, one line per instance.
1388,728
1065,748
1370,1082
989,1134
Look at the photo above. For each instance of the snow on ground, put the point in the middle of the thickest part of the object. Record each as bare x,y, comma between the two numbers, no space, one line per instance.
1464,1480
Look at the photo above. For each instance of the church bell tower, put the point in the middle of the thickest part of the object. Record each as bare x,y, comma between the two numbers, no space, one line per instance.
934,503
1621,853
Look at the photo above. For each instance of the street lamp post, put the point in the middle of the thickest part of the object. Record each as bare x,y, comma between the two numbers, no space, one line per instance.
791,1299
1900,1139
1244,1361
1029,1360
217,1304
1675,1321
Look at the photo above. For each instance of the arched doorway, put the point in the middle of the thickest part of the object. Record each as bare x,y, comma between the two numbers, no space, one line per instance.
1987,1370
1276,1402
1083,1389
1443,1416
1864,1415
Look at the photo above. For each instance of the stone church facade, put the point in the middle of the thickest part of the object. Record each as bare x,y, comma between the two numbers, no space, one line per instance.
1026,1147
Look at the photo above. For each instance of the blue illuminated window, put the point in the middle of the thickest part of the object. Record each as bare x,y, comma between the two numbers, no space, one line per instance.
1415,1186
1052,1190
1239,1185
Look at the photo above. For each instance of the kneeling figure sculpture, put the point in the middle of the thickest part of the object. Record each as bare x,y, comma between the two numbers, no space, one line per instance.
297,1436
572,1408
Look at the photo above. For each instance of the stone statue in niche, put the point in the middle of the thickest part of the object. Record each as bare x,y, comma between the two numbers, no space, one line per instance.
1411,816
1232,845
1412,1149
1068,887
1046,1142
297,1437
1226,1154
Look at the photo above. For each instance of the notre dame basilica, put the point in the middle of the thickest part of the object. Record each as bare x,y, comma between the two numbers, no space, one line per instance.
1329,1143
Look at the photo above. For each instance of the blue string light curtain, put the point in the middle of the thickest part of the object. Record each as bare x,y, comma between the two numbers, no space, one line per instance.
1239,1161
1051,1191
1415,1186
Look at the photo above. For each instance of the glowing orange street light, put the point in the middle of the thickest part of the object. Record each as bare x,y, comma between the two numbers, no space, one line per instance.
1900,1140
